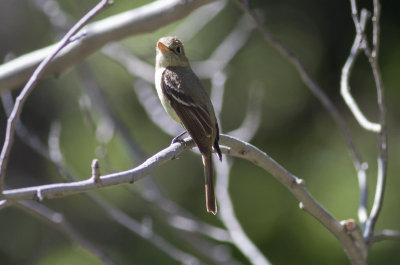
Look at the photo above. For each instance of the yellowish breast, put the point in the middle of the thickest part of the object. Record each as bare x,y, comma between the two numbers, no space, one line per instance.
164,101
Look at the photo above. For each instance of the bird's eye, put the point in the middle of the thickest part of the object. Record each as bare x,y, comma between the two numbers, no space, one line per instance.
178,49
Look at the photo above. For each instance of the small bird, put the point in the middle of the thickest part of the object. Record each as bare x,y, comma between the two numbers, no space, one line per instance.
186,101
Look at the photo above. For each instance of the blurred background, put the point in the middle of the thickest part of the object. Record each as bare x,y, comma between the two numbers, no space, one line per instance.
74,108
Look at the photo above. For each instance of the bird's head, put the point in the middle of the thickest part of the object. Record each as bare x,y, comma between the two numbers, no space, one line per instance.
170,52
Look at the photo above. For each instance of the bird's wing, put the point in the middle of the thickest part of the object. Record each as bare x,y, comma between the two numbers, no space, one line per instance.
194,115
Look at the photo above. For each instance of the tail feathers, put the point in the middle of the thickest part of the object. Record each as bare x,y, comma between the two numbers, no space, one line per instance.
217,149
211,203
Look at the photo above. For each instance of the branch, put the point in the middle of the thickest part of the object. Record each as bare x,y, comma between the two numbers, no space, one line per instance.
58,221
229,219
19,103
346,71
359,43
95,35
236,148
386,235
58,190
382,136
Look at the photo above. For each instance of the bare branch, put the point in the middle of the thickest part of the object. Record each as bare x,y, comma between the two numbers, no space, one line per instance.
358,45
382,136
386,235
252,120
355,233
19,103
198,19
144,231
58,221
226,50
64,189
228,217
141,20
346,72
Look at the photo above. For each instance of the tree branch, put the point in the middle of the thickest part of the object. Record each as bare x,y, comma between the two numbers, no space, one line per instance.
382,136
358,45
95,35
346,72
386,235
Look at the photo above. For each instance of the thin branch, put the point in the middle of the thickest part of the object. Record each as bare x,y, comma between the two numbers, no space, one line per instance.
386,235
226,50
382,136
229,219
31,140
19,103
346,72
140,20
306,78
227,214
198,19
58,221
144,231
252,120
345,91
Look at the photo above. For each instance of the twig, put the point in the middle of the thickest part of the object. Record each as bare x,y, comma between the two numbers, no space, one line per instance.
31,140
227,214
382,136
252,120
11,122
140,20
198,19
346,72
226,50
228,217
345,91
145,232
58,221
95,170
386,235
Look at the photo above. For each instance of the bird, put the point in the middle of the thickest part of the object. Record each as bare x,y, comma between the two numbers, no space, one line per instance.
186,101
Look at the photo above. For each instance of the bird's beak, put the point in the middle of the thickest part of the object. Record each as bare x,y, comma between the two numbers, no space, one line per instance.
162,47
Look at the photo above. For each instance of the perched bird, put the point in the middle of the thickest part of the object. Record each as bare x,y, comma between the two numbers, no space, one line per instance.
185,100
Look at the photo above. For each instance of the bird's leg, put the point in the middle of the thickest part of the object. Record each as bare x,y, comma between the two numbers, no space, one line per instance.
176,138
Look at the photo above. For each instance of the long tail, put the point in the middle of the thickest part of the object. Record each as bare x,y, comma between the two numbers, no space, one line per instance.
209,177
